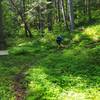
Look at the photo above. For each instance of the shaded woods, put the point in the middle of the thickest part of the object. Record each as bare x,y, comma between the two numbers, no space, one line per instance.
52,49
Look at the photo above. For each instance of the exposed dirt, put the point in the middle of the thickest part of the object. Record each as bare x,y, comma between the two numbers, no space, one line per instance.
19,89
19,84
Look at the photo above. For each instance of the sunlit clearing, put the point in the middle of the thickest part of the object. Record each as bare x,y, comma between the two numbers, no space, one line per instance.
93,32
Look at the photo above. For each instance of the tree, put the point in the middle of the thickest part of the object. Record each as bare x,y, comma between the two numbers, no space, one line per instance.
59,14
41,14
71,14
63,13
49,19
89,10
2,35
21,13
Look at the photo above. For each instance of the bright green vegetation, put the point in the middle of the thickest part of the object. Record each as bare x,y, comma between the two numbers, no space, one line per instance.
54,74
65,75
9,67
38,67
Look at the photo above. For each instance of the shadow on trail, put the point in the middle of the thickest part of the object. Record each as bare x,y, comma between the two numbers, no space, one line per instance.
13,68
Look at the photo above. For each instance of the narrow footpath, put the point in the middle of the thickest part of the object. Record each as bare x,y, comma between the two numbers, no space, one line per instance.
19,84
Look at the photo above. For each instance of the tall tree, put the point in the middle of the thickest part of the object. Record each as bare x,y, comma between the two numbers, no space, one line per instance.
21,12
63,13
49,19
59,14
71,14
89,10
2,35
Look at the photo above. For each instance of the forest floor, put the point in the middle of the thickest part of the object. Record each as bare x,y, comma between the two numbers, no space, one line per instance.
18,87
51,75
38,71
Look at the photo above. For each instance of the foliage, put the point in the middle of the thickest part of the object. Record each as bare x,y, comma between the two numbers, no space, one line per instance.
9,67
64,75
52,73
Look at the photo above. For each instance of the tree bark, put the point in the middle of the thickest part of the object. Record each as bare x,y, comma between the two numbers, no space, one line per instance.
22,15
59,15
2,35
89,10
64,16
49,19
71,14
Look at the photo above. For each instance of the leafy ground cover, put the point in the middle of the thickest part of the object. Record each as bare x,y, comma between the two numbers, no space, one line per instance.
51,73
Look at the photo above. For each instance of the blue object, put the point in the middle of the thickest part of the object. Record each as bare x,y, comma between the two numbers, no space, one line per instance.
59,39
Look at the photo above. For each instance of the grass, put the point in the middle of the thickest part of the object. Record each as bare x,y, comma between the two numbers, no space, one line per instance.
54,74
72,73
9,67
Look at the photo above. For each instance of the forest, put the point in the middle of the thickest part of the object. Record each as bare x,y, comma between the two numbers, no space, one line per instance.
49,49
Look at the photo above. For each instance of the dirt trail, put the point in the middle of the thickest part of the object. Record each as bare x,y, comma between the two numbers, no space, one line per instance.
19,85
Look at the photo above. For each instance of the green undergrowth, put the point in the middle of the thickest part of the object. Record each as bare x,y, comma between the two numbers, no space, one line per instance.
54,73
66,75
10,66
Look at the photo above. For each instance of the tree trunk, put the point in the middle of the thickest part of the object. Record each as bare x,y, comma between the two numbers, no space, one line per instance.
63,13
21,13
2,35
89,10
71,15
49,19
41,22
59,15
27,30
